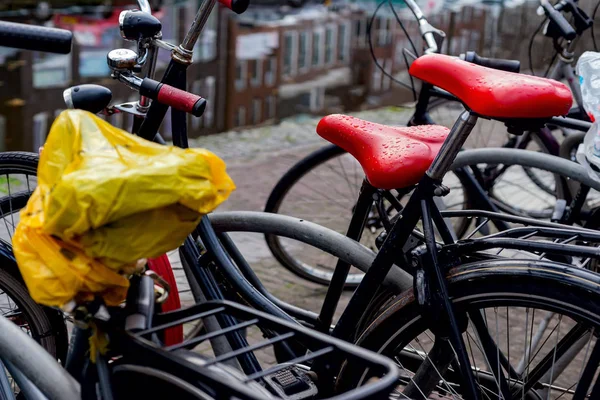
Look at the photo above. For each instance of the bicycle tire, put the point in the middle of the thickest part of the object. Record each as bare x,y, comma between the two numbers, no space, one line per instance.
41,326
276,198
278,195
507,283
19,162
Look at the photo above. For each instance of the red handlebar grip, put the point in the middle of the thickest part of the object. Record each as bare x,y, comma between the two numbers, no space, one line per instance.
237,6
181,100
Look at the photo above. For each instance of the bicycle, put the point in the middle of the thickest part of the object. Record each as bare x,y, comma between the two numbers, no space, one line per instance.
306,186
219,272
214,264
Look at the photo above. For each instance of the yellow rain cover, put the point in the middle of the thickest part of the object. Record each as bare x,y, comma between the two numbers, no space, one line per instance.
105,199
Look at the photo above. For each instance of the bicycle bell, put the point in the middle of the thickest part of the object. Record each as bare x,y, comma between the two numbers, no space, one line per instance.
122,60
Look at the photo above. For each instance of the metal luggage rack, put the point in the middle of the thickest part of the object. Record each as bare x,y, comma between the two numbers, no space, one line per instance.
541,239
306,373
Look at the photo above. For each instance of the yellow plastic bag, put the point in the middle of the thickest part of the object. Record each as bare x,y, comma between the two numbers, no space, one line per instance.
111,198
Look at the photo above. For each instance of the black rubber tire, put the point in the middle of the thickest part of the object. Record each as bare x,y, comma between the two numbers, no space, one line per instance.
548,285
19,162
277,196
41,326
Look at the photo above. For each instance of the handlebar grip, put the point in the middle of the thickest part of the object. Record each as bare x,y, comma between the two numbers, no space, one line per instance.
495,63
237,6
558,20
38,38
173,97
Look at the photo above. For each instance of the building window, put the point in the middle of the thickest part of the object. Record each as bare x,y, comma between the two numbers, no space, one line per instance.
329,44
387,81
205,88
256,72
270,103
317,99
317,48
360,32
376,79
40,130
53,70
209,114
385,31
240,75
290,53
206,47
270,71
240,117
256,111
343,44
303,50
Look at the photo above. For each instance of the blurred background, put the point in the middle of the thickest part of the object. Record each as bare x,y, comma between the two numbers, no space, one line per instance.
279,61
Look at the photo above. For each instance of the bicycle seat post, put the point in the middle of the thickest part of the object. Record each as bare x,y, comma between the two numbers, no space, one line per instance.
454,142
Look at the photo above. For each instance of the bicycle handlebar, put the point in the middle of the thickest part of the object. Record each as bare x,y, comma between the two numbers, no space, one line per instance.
173,97
558,25
37,38
495,63
237,6
425,28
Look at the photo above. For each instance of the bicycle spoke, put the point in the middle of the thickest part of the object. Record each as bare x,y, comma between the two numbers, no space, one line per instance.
492,357
554,356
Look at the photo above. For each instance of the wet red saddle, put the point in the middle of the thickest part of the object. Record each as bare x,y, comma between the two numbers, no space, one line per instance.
494,93
392,158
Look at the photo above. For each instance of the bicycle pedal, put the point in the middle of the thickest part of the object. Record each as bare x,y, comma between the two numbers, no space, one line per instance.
291,383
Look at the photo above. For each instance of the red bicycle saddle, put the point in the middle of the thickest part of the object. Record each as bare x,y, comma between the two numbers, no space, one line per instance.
392,158
494,93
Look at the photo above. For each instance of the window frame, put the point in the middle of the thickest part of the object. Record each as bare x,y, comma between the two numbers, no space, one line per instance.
271,106
320,49
343,53
307,50
271,74
256,74
332,50
293,67
241,82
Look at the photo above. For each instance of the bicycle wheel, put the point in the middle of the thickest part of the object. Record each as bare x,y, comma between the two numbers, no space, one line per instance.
18,307
323,188
535,322
18,179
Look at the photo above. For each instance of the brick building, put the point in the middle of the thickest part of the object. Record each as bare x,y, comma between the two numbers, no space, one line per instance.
256,68
32,82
